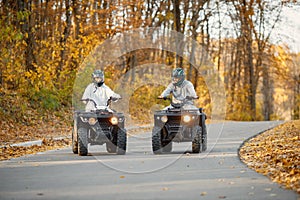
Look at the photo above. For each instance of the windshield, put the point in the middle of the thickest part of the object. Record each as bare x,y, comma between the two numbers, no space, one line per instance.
93,104
96,102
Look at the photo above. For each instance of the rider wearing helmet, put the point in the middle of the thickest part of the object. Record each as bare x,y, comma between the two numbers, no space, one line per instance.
98,77
180,89
98,91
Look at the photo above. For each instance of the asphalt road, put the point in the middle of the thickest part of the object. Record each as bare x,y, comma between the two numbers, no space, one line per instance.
215,174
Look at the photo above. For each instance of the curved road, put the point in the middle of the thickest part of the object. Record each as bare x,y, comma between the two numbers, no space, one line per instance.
215,174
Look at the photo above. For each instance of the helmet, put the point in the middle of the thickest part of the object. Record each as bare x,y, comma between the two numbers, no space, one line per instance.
178,76
98,77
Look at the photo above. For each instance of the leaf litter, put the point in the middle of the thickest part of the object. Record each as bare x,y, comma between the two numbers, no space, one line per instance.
275,153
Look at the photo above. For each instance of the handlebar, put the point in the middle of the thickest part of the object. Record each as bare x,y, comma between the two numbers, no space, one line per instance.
186,98
114,98
164,98
192,98
108,101
89,100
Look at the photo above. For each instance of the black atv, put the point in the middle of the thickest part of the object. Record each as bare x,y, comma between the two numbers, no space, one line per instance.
179,125
97,127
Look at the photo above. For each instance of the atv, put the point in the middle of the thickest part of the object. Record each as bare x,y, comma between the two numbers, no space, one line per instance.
99,126
177,124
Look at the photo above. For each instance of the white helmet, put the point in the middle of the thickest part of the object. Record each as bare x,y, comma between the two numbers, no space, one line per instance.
98,77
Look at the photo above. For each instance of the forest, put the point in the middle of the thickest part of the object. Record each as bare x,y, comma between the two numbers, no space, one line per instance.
49,46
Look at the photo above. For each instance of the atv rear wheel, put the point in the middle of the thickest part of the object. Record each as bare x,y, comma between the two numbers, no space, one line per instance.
196,143
82,142
121,141
156,141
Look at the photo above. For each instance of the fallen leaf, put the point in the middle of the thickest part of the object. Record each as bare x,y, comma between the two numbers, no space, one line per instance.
275,153
203,193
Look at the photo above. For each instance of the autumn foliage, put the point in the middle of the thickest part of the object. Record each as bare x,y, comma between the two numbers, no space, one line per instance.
44,43
275,153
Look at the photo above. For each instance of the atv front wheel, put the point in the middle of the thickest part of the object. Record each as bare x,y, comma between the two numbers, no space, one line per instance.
82,142
156,141
196,143
121,141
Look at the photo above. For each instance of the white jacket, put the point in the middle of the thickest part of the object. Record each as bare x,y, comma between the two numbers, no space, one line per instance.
99,94
180,93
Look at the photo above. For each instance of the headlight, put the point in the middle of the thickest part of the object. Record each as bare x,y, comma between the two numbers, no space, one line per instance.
164,119
114,120
186,118
92,121
121,119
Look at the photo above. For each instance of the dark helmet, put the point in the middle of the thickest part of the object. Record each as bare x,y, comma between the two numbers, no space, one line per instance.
98,77
178,76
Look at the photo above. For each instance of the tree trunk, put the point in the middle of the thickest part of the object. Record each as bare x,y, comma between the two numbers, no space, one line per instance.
64,38
26,29
178,39
267,92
